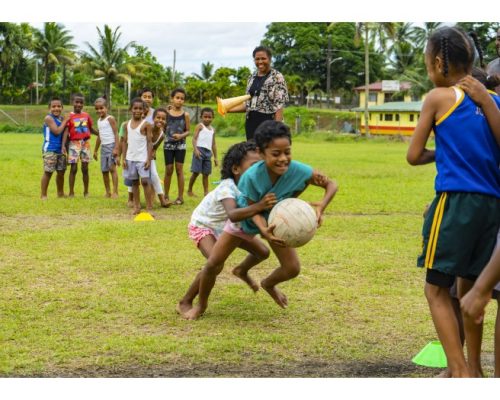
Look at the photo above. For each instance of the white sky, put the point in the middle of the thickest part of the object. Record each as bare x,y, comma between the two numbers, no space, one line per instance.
223,32
225,44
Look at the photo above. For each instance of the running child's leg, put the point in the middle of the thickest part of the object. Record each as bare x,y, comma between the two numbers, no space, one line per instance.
258,252
289,268
186,303
446,325
223,248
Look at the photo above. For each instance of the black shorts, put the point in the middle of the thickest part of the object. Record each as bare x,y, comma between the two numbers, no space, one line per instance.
444,280
174,155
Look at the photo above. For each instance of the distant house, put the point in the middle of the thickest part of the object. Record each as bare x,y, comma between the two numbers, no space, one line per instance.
387,117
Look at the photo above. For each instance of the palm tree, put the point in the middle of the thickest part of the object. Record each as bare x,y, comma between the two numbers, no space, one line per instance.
109,60
379,33
53,46
207,71
420,34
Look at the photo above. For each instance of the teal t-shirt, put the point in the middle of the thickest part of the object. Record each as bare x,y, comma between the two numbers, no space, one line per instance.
255,183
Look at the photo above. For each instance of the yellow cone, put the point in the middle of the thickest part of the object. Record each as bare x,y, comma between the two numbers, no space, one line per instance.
144,216
224,105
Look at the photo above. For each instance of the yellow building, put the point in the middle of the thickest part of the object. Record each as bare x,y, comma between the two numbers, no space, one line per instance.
388,117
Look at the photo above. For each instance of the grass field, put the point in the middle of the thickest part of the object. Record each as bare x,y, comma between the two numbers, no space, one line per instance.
88,292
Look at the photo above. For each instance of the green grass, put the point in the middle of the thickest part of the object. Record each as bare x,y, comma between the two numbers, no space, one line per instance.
84,287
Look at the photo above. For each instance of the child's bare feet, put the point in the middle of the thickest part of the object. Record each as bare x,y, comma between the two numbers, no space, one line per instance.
71,195
191,194
277,295
136,211
61,196
166,203
85,195
43,198
130,204
150,211
114,196
194,313
245,278
183,307
107,195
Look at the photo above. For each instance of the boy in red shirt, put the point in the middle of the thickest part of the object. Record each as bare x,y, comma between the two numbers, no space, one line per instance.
78,128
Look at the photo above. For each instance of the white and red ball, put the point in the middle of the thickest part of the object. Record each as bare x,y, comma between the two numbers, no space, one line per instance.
295,221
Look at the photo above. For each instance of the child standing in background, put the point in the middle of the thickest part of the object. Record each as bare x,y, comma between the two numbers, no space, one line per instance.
109,143
467,203
174,149
203,148
78,130
136,155
54,158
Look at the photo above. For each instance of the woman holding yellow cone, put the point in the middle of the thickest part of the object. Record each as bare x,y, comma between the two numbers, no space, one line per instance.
268,93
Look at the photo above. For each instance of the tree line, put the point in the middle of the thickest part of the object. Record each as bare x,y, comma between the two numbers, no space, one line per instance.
38,63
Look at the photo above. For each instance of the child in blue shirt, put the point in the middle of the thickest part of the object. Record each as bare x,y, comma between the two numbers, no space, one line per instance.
276,173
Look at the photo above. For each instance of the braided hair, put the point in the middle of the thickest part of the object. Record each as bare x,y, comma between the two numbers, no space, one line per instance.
455,47
490,81
234,157
479,49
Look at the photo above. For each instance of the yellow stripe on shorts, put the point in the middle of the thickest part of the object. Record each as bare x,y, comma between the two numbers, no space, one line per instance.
436,224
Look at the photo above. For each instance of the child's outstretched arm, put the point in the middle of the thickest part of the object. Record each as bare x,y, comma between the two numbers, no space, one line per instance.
236,214
477,92
318,179
476,299
417,153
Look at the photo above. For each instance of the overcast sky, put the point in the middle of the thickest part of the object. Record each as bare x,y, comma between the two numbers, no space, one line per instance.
224,44
222,32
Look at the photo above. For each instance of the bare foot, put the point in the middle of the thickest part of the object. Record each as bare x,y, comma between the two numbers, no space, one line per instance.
114,196
150,211
107,195
43,198
130,204
166,204
277,295
85,195
136,211
183,307
194,313
61,195
71,195
191,194
245,278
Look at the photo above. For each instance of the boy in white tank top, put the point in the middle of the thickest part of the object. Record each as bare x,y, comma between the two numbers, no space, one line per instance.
203,148
136,155
108,140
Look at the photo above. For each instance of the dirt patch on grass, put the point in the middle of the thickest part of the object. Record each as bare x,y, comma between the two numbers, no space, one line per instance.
309,369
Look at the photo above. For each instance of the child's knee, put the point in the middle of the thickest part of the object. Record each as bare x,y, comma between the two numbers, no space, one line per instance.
213,267
293,268
263,253
433,292
169,170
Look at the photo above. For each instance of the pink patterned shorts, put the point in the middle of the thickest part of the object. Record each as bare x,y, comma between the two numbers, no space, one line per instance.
197,233
235,230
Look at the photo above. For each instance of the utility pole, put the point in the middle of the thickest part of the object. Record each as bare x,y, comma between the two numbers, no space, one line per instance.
36,80
328,67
